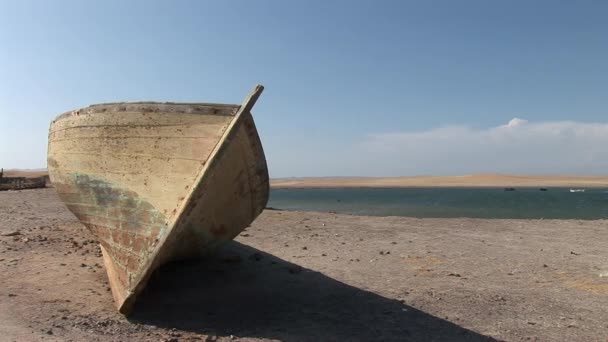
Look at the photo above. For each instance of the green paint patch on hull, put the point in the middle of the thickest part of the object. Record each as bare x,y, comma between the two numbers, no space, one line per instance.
126,225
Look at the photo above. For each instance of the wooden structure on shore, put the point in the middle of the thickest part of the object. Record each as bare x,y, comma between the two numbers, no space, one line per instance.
156,182
21,183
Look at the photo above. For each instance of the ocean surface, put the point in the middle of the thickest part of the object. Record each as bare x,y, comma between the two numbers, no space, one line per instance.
522,203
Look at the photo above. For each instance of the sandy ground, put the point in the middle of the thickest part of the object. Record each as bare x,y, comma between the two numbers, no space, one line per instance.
476,180
297,276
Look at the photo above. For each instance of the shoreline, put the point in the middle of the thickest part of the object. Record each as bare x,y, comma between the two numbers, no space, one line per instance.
332,212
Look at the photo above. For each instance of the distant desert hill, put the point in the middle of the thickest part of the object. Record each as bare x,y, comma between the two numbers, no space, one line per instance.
474,180
28,173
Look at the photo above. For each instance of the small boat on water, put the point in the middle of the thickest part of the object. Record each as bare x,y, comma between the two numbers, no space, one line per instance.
509,189
156,182
577,190
543,189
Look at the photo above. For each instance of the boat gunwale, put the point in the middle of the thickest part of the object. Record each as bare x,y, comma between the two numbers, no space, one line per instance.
116,107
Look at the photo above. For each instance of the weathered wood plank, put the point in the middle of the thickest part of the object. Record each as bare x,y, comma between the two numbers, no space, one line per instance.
154,147
135,119
190,130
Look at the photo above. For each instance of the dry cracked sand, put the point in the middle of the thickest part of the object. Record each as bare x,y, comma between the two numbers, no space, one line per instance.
296,276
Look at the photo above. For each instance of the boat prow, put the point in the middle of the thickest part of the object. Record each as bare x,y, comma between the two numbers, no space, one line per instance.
156,182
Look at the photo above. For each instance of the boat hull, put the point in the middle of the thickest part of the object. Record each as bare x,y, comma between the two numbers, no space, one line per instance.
157,182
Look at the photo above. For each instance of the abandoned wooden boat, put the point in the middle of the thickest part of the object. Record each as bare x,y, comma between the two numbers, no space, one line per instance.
156,182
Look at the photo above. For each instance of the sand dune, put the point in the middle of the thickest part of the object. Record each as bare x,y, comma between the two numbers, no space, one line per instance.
474,180
26,173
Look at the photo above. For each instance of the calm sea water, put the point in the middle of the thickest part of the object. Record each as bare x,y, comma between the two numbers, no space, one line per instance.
523,203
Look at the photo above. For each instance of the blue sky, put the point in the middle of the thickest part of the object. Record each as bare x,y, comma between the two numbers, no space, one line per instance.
351,86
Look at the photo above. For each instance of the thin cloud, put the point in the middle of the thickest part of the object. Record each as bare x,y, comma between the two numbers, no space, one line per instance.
519,146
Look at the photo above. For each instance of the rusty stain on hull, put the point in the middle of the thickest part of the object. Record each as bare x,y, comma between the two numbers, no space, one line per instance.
155,182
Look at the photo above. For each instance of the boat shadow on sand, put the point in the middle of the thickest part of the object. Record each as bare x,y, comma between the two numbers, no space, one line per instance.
248,293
